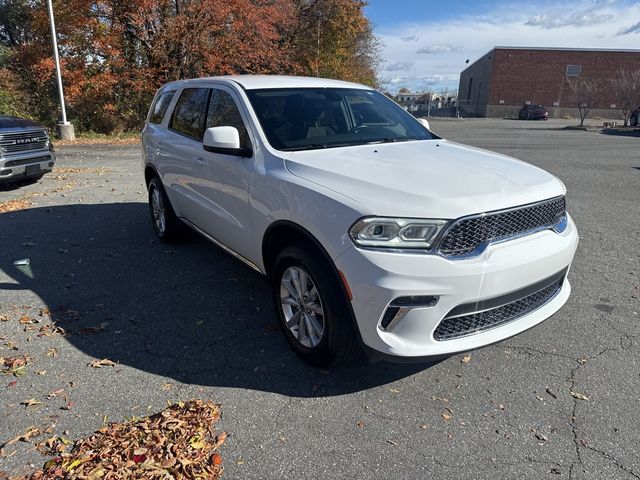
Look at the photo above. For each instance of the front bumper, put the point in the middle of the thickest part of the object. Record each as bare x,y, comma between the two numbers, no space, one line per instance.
26,165
376,278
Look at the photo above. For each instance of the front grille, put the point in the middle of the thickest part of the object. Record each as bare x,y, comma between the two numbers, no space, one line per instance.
27,161
459,326
467,234
18,142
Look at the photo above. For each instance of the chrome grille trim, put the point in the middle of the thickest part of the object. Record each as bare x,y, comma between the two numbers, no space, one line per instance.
26,141
469,236
456,325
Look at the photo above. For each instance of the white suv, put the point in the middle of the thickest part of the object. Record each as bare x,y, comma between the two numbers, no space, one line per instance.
373,231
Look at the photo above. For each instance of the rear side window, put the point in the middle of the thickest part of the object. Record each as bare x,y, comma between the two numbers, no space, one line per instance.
223,112
159,107
190,112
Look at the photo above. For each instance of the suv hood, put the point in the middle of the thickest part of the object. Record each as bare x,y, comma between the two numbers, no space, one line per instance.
425,179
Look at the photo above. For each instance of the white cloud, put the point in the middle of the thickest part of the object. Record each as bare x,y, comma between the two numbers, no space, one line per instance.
451,42
412,38
581,18
430,49
398,66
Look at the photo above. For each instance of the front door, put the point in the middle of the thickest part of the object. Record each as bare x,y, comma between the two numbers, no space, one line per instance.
226,178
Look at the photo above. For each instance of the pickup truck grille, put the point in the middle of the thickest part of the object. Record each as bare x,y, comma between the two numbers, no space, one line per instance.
18,142
468,233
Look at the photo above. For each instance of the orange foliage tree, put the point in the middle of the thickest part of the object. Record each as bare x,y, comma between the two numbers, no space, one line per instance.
115,54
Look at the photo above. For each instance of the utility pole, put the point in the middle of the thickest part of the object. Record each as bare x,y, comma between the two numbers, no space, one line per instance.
64,128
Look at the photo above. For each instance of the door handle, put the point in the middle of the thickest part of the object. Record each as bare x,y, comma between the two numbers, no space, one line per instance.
200,160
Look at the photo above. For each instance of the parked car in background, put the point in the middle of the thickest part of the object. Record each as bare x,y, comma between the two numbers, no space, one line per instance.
533,112
373,231
634,118
26,151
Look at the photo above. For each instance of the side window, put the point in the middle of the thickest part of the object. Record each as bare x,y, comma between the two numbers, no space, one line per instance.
159,107
189,114
223,112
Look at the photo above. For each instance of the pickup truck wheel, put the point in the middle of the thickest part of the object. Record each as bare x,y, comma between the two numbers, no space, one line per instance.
164,220
312,309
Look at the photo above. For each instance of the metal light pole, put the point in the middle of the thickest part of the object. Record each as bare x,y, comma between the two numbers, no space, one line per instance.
64,128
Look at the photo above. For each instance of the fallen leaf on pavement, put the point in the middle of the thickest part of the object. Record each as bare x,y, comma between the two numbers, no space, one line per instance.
466,359
56,393
105,362
541,437
23,437
30,403
577,395
15,365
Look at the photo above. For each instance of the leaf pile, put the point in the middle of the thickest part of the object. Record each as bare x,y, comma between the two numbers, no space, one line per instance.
177,443
13,205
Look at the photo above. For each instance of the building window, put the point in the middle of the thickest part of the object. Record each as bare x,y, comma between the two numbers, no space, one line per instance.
573,70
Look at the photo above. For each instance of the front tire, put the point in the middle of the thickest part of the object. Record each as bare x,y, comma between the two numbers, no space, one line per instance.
633,121
164,219
312,308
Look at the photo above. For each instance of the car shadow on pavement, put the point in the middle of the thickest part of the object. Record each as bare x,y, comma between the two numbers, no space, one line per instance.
187,311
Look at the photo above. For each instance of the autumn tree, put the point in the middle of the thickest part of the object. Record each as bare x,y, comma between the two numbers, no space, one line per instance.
625,85
333,38
115,54
586,92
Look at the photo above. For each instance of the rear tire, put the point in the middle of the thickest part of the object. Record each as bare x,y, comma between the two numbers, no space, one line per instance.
312,308
163,218
633,121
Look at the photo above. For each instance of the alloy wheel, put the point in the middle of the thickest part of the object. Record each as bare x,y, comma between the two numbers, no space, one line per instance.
159,214
302,307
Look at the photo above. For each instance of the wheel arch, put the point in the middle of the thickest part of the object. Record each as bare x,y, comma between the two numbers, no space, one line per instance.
283,233
149,172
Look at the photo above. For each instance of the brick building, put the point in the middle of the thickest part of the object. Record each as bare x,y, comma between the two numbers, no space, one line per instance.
502,81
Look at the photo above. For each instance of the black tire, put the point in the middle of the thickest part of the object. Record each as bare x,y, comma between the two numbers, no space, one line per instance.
633,121
170,229
338,343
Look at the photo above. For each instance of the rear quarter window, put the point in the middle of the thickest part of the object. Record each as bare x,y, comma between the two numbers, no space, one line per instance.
159,107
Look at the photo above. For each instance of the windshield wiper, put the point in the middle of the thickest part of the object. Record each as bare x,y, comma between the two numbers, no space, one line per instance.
387,140
311,146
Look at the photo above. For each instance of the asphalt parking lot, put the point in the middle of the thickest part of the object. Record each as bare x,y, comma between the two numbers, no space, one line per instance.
188,321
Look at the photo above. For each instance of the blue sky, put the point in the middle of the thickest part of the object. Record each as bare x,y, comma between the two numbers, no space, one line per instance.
426,43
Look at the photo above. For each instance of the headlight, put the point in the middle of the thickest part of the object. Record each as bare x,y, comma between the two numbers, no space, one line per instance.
396,232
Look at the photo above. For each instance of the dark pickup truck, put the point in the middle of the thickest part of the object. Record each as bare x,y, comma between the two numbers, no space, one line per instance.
26,151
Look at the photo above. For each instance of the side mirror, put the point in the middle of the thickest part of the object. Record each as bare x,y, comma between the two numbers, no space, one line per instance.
425,123
225,140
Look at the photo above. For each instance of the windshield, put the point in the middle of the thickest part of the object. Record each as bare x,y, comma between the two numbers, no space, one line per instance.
311,118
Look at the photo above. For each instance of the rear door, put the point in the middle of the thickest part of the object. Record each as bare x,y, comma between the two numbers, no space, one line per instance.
183,154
